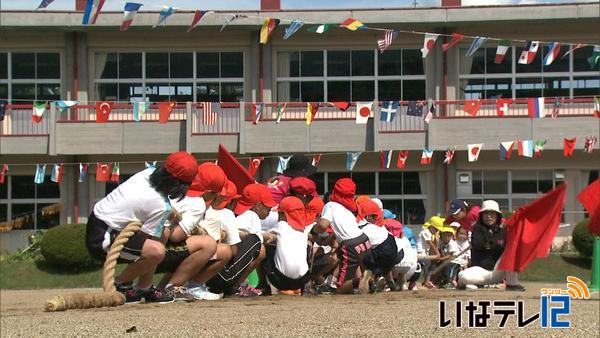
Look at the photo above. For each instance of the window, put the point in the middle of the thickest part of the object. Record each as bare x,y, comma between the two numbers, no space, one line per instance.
481,77
350,75
30,76
21,198
165,76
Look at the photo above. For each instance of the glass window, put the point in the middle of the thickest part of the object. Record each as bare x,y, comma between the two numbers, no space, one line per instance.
23,65
3,90
412,62
524,181
583,85
106,65
19,210
157,65
413,184
363,90
534,67
3,65
129,90
474,64
545,182
207,92
559,64
23,91
312,91
311,63
3,212
130,65
390,90
338,91
288,91
498,88
363,63
319,179
390,62
580,57
22,187
338,63
473,88
477,183
107,91
48,189
46,220
365,182
232,91
207,65
232,64
4,188
491,67
556,86
495,182
413,211
49,91
529,87
48,65
181,65
288,64
390,183
413,90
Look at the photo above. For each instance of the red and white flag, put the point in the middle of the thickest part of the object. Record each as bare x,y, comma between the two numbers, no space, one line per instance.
210,112
363,112
472,106
428,43
103,110
102,172
553,51
254,164
453,41
39,108
198,15
3,173
316,159
131,8
473,151
56,175
402,157
449,156
426,156
529,52
569,146
590,142
503,46
164,111
573,48
386,42
502,106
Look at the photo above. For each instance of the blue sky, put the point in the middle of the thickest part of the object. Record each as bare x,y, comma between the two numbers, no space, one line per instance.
115,5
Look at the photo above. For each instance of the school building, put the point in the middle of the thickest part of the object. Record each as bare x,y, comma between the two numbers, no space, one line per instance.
50,55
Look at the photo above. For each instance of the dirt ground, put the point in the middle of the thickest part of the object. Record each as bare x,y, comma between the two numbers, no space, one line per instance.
404,313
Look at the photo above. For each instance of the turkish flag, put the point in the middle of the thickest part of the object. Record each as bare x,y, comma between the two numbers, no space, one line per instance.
502,106
234,170
531,230
103,172
472,106
569,146
254,164
590,198
164,111
103,110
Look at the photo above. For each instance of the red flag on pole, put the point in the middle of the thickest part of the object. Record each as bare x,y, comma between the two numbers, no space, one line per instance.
531,230
254,164
234,169
453,41
590,198
164,111
569,146
472,106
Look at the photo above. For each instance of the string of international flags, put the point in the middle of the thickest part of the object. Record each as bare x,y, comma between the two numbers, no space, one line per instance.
94,7
106,171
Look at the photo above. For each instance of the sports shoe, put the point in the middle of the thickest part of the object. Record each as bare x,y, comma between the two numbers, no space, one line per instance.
179,293
131,293
324,289
373,287
448,286
286,292
393,286
200,292
412,286
248,291
154,295
516,287
471,287
363,287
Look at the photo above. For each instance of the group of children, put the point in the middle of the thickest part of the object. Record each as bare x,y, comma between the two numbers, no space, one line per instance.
206,238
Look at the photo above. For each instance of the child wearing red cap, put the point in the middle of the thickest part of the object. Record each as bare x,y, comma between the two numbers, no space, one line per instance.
253,206
188,249
144,198
286,266
339,213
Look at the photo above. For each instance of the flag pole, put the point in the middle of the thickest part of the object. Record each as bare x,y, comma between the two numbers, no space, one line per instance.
595,284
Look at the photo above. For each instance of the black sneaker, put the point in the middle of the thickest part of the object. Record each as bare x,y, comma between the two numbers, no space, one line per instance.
131,293
154,295
373,287
393,286
324,289
516,287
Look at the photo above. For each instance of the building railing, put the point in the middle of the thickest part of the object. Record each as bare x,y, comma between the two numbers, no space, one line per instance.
18,120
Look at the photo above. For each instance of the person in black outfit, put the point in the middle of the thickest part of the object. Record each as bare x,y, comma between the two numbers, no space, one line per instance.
487,245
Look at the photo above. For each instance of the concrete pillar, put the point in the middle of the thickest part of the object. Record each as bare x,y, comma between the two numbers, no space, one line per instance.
188,126
253,82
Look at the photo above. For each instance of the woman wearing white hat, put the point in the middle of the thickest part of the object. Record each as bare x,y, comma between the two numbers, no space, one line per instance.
488,241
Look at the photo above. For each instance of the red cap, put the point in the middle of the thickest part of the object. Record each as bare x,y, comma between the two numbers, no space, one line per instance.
314,208
209,177
293,208
368,207
343,193
252,194
182,165
303,186
393,227
230,194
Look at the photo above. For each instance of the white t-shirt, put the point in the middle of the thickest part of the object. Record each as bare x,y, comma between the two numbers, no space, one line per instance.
249,222
268,223
229,224
290,254
410,253
422,245
135,200
192,211
375,233
343,222
464,258
450,249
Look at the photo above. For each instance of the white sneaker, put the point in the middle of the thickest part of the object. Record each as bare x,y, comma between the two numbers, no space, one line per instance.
471,287
200,292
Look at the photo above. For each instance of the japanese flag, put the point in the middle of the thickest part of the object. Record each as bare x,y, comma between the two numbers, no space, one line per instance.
363,111
474,150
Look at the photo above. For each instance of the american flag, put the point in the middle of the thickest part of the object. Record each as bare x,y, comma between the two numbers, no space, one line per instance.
210,112
388,37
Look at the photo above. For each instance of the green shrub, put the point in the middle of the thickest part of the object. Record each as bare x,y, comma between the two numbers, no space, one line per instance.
64,246
583,239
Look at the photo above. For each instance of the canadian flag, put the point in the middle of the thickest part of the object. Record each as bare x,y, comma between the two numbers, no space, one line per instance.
474,150
363,112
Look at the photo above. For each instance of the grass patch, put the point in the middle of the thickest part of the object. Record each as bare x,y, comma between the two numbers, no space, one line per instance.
555,268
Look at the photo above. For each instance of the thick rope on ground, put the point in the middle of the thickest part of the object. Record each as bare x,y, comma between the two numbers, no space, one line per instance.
108,271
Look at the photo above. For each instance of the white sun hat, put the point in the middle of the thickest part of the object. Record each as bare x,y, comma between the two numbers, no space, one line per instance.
490,205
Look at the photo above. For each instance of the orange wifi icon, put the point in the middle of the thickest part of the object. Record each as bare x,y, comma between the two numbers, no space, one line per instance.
577,288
